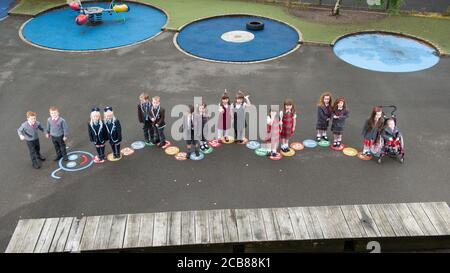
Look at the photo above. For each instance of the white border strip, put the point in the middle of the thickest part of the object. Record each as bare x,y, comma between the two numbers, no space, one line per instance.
299,42
92,50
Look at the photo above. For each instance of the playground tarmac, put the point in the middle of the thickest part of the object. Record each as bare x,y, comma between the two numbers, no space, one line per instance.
232,176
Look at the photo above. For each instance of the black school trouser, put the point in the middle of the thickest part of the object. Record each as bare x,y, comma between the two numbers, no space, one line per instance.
35,150
115,148
159,135
149,132
60,146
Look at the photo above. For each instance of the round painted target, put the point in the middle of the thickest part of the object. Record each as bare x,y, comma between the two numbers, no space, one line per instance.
229,141
324,143
199,157
172,150
71,164
298,146
350,151
73,157
127,151
338,148
291,152
309,143
253,145
137,145
167,144
244,141
181,156
364,157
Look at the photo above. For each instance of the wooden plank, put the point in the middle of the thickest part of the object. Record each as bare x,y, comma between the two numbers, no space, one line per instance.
76,233
160,229
257,225
272,232
146,230
394,219
103,232
47,234
15,244
312,224
422,219
443,209
408,220
187,228
215,226
435,218
243,225
132,229
201,227
381,221
229,225
61,234
352,219
118,226
332,222
32,236
366,219
298,224
174,228
283,222
90,230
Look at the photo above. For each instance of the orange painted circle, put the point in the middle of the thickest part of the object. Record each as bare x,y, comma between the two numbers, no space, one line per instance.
297,146
276,157
181,156
127,151
364,157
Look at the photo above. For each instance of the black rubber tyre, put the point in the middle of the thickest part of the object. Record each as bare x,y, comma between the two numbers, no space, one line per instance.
255,25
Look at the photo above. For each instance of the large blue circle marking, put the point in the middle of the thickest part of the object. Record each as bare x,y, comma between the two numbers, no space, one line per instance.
385,52
203,39
56,29
90,161
5,6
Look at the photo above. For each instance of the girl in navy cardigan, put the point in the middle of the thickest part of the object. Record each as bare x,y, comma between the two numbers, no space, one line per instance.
339,115
114,131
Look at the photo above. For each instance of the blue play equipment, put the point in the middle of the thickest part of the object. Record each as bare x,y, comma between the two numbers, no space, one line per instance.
227,38
5,6
56,29
386,52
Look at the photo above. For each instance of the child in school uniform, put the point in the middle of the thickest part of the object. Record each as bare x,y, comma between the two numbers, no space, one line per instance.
57,129
224,123
98,134
192,131
238,110
324,110
143,108
204,119
372,129
28,131
288,117
157,116
273,131
114,130
339,115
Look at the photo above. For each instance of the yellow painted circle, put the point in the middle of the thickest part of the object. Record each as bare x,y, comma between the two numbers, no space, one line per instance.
110,157
172,150
350,151
291,152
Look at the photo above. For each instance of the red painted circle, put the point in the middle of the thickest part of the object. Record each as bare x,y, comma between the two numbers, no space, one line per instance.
277,157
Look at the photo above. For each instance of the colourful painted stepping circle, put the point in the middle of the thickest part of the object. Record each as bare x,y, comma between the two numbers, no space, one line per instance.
181,156
297,146
199,157
253,145
276,157
207,151
149,144
167,144
71,164
214,143
324,143
172,150
364,157
127,151
244,141
338,148
111,157
230,140
309,143
289,153
261,151
137,145
73,157
350,151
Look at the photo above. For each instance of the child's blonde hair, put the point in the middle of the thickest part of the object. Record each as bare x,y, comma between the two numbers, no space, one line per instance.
144,96
156,98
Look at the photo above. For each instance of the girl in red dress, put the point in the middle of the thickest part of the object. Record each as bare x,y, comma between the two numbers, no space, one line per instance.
288,119
224,125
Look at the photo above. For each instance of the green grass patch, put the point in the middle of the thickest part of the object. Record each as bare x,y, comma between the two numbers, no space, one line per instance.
182,12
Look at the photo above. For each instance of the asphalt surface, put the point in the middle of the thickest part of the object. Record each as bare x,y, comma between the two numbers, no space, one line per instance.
232,176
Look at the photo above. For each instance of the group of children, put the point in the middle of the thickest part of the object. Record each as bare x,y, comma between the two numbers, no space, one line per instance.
280,126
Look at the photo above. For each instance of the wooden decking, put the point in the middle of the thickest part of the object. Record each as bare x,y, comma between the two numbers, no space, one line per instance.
235,226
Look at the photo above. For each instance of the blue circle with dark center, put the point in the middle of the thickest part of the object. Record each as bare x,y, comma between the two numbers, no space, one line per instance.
204,39
56,29
386,52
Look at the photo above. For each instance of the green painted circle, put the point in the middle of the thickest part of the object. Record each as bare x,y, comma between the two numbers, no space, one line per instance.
210,150
261,151
149,144
324,143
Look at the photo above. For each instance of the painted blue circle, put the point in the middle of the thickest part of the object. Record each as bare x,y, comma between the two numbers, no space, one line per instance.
87,165
203,39
73,157
385,52
309,143
57,29
253,145
5,6
199,157
71,164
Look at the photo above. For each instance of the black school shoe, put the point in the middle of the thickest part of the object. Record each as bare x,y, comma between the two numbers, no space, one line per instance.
318,138
325,138
161,144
